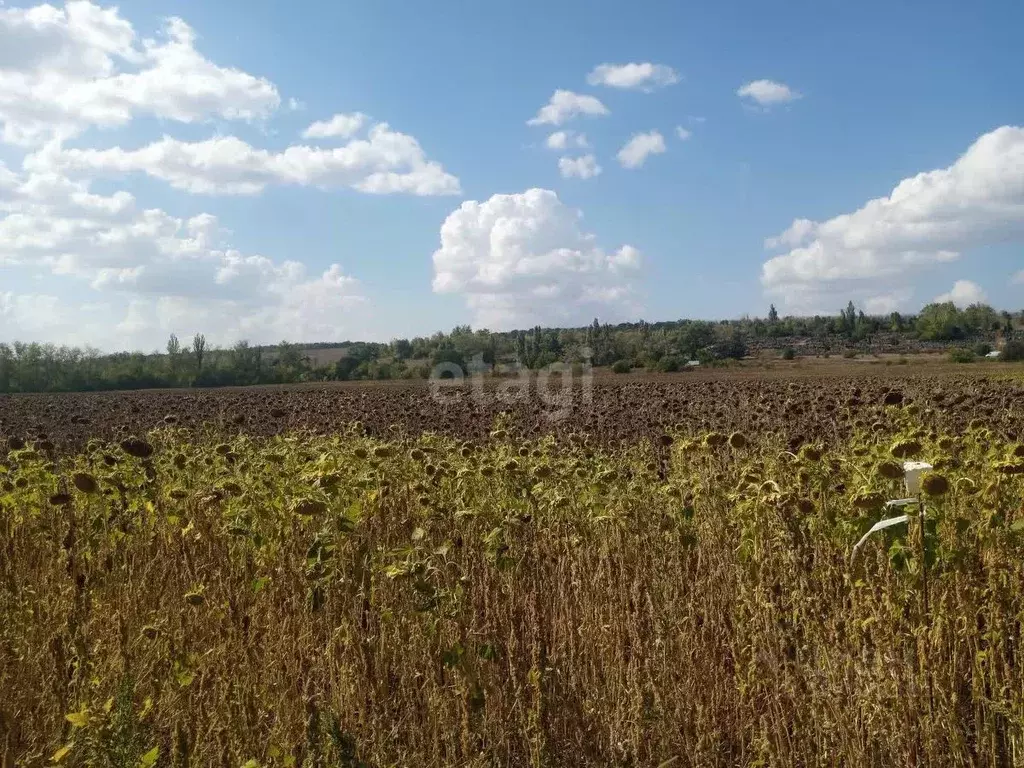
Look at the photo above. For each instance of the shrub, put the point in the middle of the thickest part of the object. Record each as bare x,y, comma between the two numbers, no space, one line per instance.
621,366
416,372
788,353
1013,352
982,348
962,355
849,354
730,348
668,364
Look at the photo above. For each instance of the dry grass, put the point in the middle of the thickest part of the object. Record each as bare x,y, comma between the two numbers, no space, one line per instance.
325,601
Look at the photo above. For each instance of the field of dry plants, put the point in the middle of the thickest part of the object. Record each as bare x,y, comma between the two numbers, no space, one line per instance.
370,576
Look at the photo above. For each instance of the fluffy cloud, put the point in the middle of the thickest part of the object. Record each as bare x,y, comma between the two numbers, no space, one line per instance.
384,162
963,294
887,303
767,93
636,151
35,316
140,273
62,70
340,126
522,259
88,264
927,219
562,140
682,133
566,105
641,77
584,167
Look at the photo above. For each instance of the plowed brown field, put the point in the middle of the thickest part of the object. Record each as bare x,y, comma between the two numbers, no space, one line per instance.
799,405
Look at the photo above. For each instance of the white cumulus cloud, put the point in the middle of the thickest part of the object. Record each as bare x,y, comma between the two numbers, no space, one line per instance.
584,167
927,219
682,133
887,303
522,259
963,294
643,76
65,69
384,162
139,274
561,140
767,93
567,105
641,146
340,126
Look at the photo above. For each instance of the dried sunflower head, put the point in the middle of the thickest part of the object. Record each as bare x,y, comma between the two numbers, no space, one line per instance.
868,499
890,470
810,453
85,482
905,449
935,484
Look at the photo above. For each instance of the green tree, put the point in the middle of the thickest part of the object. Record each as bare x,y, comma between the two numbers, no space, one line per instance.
199,352
940,322
246,363
1012,352
401,349
173,358
291,364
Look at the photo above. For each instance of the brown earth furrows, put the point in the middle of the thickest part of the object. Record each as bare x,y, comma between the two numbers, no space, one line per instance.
797,406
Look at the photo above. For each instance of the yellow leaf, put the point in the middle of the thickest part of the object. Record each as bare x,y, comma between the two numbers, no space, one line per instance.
61,753
78,719
149,759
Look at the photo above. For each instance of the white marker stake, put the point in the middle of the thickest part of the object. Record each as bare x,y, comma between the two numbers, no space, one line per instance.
881,525
900,502
913,471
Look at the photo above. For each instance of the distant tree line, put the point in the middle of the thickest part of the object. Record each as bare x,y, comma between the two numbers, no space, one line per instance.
665,346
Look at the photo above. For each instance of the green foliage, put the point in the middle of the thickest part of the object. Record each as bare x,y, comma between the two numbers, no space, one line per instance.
1012,352
731,347
962,355
945,322
448,354
621,366
48,368
788,353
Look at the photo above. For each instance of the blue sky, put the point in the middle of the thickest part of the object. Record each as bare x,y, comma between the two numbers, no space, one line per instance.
872,94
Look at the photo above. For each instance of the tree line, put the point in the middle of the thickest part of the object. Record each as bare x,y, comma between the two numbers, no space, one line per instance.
665,346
